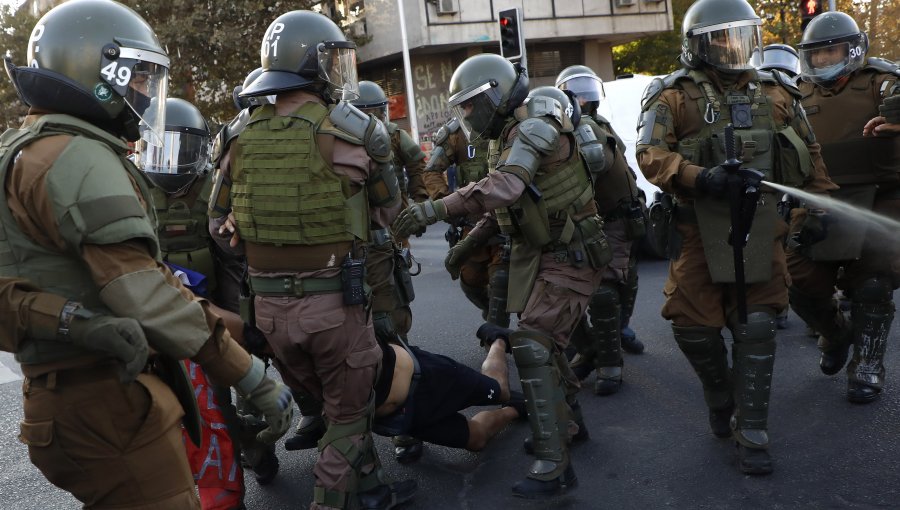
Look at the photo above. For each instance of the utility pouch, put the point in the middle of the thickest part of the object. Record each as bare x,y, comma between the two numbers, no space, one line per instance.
596,247
353,279
403,262
635,221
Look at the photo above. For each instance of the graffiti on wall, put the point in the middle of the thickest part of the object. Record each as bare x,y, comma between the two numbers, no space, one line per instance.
431,78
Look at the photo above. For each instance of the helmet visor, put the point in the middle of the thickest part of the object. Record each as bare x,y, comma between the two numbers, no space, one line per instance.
781,59
475,109
827,63
586,87
337,68
727,48
380,113
184,151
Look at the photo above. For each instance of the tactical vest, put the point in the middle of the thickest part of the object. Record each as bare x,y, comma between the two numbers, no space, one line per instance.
472,162
284,189
565,189
397,151
64,274
837,119
755,141
183,228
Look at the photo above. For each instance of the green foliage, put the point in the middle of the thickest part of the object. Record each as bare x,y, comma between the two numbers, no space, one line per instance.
16,29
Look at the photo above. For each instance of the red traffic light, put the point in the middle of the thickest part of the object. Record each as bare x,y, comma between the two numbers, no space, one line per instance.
505,22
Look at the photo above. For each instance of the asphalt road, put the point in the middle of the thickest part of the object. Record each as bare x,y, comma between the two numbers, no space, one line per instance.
650,445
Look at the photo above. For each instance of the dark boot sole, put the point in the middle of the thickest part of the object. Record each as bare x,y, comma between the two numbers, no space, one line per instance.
565,482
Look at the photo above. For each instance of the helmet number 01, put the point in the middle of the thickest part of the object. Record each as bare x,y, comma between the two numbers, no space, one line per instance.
855,52
113,73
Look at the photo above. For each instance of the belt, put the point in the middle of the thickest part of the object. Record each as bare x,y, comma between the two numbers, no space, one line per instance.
73,376
293,286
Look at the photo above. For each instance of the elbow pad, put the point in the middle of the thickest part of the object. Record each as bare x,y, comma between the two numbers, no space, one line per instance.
383,187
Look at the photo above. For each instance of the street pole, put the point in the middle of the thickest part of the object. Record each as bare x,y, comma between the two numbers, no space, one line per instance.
407,71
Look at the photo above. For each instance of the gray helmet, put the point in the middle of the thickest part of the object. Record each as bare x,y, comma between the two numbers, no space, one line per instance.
779,56
372,99
242,103
484,90
97,60
567,103
185,148
832,47
720,33
306,50
584,83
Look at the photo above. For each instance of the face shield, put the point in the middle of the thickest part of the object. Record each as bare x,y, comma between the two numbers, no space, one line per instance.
727,46
827,63
586,87
183,153
141,77
475,109
380,113
337,68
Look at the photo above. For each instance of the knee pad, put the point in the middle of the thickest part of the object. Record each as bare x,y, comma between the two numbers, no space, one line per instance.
873,291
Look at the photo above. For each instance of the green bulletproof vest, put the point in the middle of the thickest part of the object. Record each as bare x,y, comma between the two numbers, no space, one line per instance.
284,190
565,190
837,119
755,147
64,274
183,228
472,165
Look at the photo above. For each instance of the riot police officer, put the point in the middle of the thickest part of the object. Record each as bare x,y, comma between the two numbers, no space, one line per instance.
542,195
602,339
483,273
781,57
307,178
78,222
681,148
842,91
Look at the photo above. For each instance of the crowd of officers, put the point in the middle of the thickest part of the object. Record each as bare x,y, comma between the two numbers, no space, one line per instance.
137,281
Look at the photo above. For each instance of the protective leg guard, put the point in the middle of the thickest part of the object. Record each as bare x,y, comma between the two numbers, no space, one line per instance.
498,292
478,296
871,315
548,414
582,362
604,312
705,350
628,297
824,316
311,426
754,359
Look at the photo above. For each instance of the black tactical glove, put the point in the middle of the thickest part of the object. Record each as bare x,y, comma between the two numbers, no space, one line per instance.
890,109
750,178
813,229
712,181
120,337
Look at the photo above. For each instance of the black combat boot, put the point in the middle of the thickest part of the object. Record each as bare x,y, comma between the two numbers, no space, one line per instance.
630,342
309,430
754,461
407,449
531,488
720,420
386,496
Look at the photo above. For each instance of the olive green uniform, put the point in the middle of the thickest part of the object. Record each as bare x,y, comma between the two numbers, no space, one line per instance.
852,257
675,144
77,222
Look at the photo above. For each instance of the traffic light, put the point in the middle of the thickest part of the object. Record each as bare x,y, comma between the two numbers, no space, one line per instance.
512,40
809,9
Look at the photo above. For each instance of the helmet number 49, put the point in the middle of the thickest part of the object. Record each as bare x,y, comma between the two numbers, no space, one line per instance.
113,73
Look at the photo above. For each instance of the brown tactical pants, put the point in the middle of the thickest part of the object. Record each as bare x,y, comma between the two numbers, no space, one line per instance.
329,351
385,294
617,270
111,445
692,299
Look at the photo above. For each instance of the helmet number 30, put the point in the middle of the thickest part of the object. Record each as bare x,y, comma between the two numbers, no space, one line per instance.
855,52
115,74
